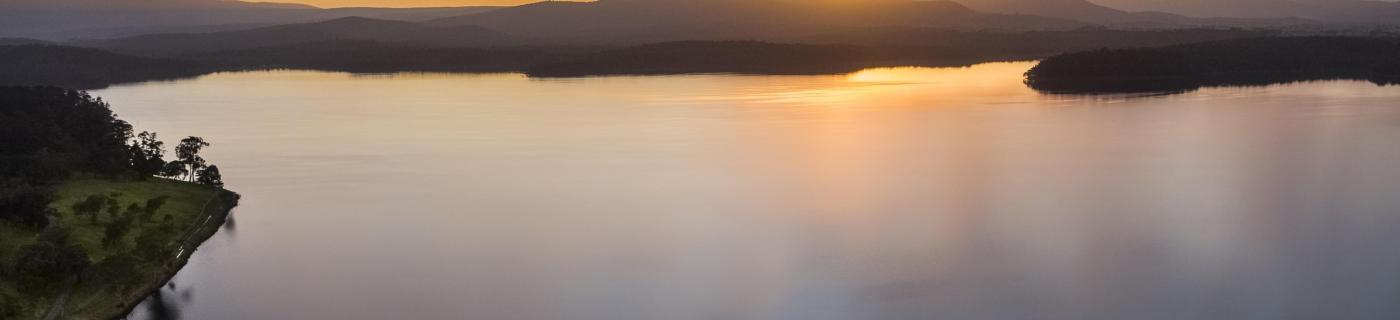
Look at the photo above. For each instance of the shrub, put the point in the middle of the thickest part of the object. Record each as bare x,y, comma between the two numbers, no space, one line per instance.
48,262
115,231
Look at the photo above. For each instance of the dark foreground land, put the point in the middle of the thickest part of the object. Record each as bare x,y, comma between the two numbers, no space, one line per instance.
86,229
120,274
1240,62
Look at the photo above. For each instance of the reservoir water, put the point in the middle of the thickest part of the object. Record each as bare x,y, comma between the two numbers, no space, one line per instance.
883,194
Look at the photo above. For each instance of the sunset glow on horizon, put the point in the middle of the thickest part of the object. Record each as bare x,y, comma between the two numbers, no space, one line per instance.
407,3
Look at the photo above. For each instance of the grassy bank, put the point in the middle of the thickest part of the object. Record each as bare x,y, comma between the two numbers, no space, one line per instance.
125,268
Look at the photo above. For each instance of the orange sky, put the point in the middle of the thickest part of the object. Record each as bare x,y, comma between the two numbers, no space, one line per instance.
403,3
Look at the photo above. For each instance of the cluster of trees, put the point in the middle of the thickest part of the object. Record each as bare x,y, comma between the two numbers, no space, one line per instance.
50,134
1254,61
120,221
40,269
47,134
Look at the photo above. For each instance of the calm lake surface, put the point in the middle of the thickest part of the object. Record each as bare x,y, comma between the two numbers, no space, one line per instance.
885,194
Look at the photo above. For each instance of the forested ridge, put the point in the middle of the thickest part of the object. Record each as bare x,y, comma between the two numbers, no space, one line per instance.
86,68
91,68
1252,61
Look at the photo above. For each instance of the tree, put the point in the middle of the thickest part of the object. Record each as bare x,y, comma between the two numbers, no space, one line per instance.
116,231
153,205
147,154
174,170
90,206
46,135
25,203
210,177
188,154
42,265
113,208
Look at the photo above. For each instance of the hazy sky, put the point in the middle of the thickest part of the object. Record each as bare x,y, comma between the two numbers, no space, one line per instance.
450,3
404,3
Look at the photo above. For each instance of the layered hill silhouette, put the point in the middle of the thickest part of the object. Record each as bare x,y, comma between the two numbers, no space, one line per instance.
614,23
1092,11
1081,10
95,19
650,20
353,28
629,37
641,21
1331,11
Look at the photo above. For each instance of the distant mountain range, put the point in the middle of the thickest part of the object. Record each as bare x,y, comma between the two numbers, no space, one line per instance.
640,21
660,20
1331,11
645,20
93,43
353,28
1080,10
635,22
1147,14
97,19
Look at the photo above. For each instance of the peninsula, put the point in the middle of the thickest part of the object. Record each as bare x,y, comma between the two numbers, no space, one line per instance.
92,217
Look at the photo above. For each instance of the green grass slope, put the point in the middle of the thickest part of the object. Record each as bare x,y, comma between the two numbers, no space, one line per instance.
190,215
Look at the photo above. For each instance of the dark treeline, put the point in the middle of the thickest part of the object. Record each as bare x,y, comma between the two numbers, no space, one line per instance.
1033,44
750,57
48,134
370,56
1255,61
83,68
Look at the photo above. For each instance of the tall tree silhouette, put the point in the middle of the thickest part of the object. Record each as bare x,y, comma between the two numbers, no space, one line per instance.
188,153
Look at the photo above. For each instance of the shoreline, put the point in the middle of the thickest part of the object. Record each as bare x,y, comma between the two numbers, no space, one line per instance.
224,202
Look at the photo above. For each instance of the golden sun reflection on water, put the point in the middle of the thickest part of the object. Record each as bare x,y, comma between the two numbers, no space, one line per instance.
878,87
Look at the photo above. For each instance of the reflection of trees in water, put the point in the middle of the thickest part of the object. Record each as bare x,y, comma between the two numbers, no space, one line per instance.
230,227
1175,85
165,304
